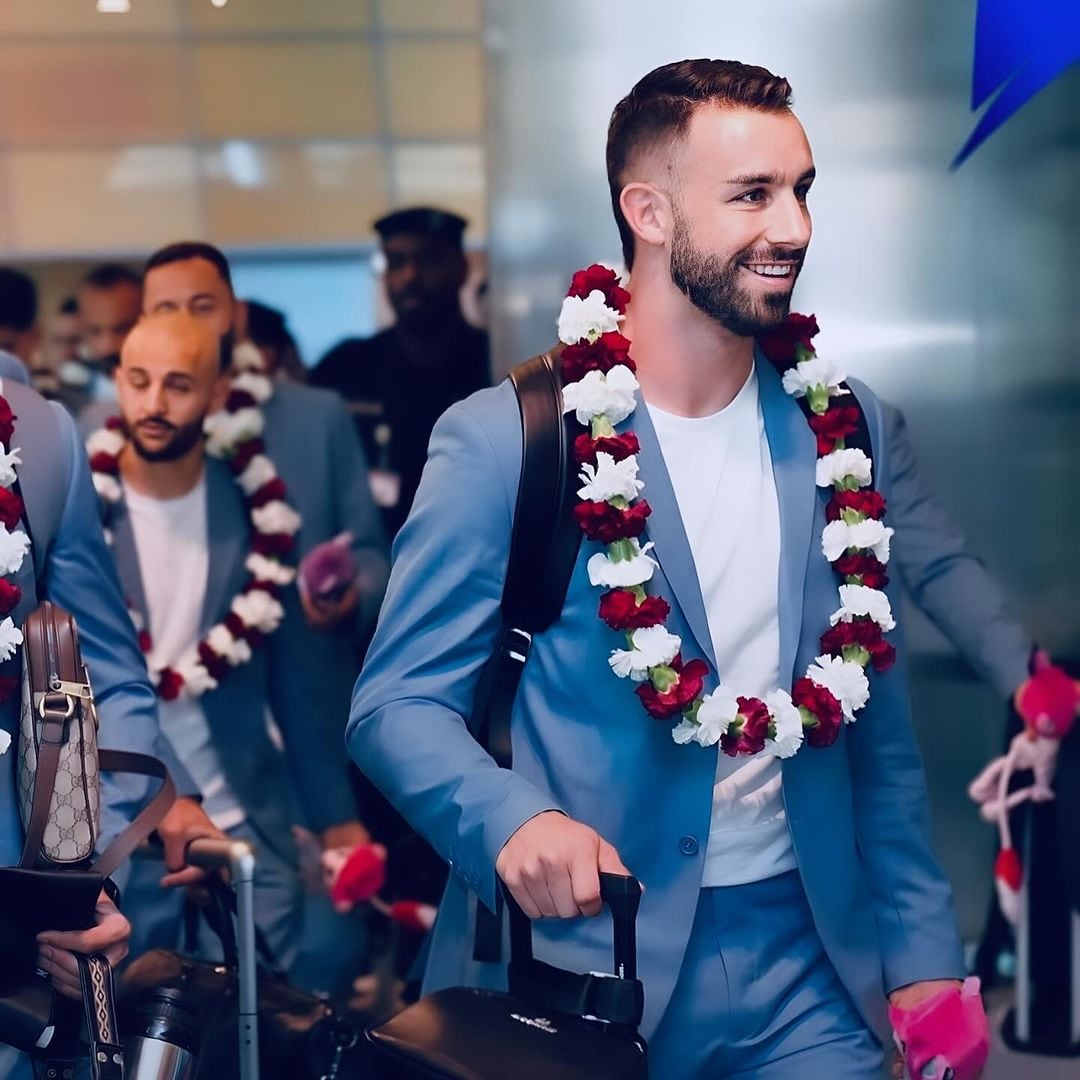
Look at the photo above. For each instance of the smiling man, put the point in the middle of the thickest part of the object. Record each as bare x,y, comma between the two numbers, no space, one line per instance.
790,892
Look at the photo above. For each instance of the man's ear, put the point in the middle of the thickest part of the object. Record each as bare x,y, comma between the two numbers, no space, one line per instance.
648,212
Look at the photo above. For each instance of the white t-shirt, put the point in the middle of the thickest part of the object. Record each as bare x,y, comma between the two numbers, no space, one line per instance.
721,471
174,560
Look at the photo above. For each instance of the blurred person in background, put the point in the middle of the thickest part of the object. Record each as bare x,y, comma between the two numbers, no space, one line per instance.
60,352
19,330
314,447
183,532
110,302
268,330
399,382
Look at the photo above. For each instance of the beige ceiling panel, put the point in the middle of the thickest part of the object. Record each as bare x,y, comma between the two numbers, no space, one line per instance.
434,89
59,93
299,90
278,16
450,177
443,15
132,198
80,18
319,193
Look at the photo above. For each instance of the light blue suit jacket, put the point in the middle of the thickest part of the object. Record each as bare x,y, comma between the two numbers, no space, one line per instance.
279,676
582,744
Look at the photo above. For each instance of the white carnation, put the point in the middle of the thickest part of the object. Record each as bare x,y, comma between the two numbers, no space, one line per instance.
225,429
258,609
860,600
840,464
610,479
787,721
597,394
108,487
604,571
260,470
105,441
5,741
276,517
246,357
10,639
197,680
588,318
652,645
870,535
264,569
685,731
235,650
13,549
250,382
813,373
715,715
845,680
8,460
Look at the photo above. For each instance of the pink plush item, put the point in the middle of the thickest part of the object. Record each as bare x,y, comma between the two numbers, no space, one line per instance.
946,1031
328,568
1008,881
413,916
1049,700
360,878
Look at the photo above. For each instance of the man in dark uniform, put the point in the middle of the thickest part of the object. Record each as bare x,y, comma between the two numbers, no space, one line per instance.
399,382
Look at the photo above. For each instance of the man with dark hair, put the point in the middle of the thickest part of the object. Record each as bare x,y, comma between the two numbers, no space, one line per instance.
19,330
790,891
59,358
399,382
110,302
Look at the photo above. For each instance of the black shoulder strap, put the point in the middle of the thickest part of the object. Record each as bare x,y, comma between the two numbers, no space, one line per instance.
545,535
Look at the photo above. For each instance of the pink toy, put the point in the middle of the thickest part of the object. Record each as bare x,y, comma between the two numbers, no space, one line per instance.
945,1035
1049,701
328,569
354,877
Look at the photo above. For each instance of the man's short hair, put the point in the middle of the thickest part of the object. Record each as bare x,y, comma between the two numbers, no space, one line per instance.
190,249
660,107
109,275
18,300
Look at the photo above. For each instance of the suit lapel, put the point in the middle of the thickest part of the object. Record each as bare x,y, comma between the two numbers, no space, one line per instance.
665,530
126,556
227,537
793,450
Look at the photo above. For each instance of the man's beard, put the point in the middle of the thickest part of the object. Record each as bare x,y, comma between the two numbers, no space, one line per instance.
711,284
184,438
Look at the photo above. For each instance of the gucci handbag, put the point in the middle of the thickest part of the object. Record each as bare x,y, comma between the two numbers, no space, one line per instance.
552,1025
57,881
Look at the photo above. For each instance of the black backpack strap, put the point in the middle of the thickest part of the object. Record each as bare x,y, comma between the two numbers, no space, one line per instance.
545,535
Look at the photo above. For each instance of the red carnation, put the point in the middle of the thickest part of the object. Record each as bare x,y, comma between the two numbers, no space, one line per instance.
608,351
101,462
170,684
272,543
862,632
214,662
869,570
11,506
10,595
115,423
755,729
7,422
679,696
607,281
779,345
239,630
864,501
820,702
8,685
244,452
271,490
146,643
834,424
606,523
621,611
620,447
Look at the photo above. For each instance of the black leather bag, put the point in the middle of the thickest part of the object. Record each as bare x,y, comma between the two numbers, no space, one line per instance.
552,1025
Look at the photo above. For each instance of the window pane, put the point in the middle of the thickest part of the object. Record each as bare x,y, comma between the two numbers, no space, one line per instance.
240,16
80,18
430,14
434,88
450,177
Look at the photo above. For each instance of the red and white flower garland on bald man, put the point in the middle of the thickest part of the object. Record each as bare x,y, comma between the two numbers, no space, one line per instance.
234,434
600,388
14,545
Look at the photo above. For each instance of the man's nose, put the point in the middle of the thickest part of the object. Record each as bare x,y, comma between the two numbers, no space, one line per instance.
789,223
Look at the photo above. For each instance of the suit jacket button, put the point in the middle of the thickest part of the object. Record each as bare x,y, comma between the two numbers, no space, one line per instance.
688,845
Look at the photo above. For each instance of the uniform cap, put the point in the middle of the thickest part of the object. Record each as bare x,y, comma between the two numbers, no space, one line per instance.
422,219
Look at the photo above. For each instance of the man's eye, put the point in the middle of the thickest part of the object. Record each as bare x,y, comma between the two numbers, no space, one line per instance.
758,195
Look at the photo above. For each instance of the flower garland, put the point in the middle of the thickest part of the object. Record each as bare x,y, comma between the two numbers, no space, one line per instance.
14,545
234,434
600,388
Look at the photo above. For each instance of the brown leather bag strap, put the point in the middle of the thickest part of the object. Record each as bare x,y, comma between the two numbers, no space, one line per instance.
56,711
148,818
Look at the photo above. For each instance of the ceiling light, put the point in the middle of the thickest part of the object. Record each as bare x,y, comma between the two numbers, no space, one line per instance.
219,3
114,7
